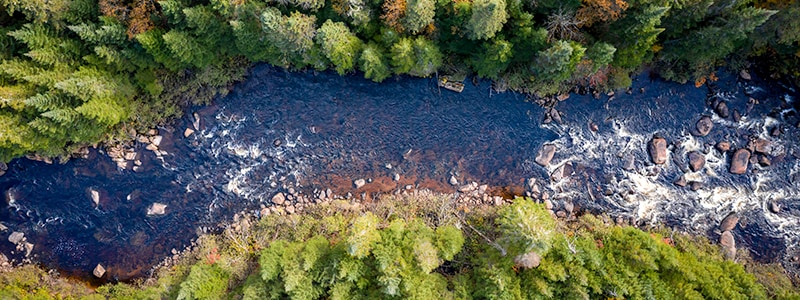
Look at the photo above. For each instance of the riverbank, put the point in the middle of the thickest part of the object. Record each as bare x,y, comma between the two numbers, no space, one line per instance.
569,243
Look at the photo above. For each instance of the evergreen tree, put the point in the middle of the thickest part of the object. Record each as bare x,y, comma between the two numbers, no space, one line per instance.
488,17
339,45
373,63
418,15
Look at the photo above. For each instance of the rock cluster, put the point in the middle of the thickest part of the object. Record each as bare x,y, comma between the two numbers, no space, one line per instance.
20,241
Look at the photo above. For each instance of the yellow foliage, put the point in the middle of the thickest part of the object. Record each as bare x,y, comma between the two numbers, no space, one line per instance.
595,11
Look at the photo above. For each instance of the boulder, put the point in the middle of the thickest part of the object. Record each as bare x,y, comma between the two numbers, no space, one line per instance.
696,161
453,180
157,209
704,126
188,132
729,222
723,146
681,181
545,154
764,161
28,248
151,147
739,161
722,109
528,260
157,140
745,75
99,271
758,145
695,185
16,237
278,199
774,207
728,244
359,183
562,97
658,150
737,116
95,196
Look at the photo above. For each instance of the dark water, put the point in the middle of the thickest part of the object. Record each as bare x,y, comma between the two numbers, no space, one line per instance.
280,131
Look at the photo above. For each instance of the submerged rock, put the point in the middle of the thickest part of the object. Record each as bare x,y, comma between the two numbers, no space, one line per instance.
723,146
722,109
95,197
681,181
658,150
156,209
695,185
774,207
99,271
696,161
628,162
545,154
704,126
739,161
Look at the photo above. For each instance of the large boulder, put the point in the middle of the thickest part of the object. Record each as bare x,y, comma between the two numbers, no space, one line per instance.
739,161
696,161
16,237
99,271
722,109
278,199
729,222
545,155
728,244
704,126
658,150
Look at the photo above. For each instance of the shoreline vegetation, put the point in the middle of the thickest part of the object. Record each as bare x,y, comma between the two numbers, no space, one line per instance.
82,72
426,245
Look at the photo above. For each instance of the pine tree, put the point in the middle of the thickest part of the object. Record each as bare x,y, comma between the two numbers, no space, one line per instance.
339,45
373,63
418,15
488,18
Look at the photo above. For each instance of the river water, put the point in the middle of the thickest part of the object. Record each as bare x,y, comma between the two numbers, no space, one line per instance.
283,130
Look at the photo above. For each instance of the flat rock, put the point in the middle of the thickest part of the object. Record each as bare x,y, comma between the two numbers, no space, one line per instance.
704,126
728,244
545,154
758,145
729,222
658,150
130,156
279,199
696,161
562,97
16,237
188,132
99,271
151,147
359,183
739,161
157,209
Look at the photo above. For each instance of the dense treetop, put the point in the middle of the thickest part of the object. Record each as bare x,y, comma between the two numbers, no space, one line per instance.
74,72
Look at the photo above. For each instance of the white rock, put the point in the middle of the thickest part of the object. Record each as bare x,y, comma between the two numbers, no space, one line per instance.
130,156
28,249
16,237
99,271
278,199
157,140
157,209
95,197
359,183
152,147
188,132
453,180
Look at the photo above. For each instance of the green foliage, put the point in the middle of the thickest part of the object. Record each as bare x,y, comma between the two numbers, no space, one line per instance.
526,227
494,58
600,54
373,63
418,15
635,35
339,45
488,17
205,281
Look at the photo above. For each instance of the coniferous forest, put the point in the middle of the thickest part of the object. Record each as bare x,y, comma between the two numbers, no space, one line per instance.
77,72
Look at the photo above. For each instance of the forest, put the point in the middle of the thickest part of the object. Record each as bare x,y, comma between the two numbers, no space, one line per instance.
82,72
423,247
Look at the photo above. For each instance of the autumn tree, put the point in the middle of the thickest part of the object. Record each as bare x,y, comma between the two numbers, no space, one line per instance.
600,11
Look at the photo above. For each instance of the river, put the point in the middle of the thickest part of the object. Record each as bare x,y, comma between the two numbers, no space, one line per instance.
279,131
